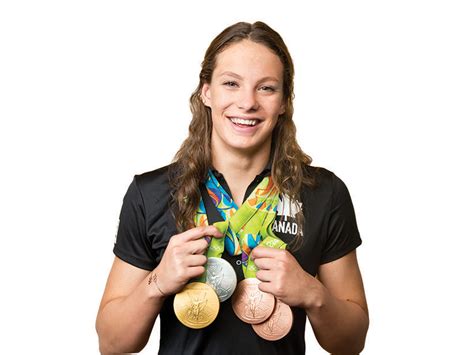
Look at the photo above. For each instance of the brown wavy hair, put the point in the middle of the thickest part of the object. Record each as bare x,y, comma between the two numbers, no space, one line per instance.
193,159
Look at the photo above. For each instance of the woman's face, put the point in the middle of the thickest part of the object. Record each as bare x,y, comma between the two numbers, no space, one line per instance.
245,97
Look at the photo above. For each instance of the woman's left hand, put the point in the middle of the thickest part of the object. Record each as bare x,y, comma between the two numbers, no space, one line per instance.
282,276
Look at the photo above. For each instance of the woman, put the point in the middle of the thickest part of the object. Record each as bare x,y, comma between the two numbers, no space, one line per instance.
241,136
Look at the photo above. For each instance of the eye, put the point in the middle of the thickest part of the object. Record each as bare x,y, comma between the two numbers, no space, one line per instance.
267,88
231,84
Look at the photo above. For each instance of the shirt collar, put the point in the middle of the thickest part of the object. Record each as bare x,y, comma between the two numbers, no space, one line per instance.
267,170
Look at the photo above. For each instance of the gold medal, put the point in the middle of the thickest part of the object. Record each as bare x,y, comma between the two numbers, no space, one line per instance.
197,305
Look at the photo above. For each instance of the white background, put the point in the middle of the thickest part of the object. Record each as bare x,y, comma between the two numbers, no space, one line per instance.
93,92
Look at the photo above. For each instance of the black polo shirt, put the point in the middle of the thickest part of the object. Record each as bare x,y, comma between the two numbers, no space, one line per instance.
146,225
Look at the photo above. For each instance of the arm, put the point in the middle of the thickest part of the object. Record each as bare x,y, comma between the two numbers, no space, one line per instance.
337,308
335,304
128,309
133,297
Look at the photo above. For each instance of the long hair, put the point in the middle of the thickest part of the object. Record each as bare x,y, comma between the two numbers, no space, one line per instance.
193,159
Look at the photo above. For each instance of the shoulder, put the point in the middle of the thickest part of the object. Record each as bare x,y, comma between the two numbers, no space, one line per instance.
323,178
156,182
326,183
157,176
317,172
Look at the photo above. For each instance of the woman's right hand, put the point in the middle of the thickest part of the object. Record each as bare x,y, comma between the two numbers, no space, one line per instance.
183,259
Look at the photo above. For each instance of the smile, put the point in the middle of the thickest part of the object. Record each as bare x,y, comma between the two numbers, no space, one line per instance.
243,121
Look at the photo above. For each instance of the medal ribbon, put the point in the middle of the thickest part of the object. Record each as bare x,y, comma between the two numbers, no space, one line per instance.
245,227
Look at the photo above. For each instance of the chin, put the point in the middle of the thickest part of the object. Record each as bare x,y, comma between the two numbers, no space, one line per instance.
248,146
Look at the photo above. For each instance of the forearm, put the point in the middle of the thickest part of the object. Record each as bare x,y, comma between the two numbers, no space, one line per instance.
124,324
339,325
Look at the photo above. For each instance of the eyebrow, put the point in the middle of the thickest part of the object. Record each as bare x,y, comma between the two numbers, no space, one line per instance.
237,76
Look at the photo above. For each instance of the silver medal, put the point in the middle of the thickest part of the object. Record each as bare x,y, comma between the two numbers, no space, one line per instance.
220,275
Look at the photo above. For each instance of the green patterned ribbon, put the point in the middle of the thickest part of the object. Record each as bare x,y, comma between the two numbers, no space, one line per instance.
245,227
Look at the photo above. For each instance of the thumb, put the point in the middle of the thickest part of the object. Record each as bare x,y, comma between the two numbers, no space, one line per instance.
221,227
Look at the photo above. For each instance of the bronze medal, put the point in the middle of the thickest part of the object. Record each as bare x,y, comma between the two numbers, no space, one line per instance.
277,325
250,304
197,305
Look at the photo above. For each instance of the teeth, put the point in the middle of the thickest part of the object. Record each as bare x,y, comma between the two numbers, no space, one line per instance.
242,121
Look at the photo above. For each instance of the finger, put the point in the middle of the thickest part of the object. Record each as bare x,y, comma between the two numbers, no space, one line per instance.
265,287
265,263
199,232
196,246
195,260
265,252
195,271
265,275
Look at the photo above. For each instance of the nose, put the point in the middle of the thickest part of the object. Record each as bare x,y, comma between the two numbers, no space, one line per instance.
248,100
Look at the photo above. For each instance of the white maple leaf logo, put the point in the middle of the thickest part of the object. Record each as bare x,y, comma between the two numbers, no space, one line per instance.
288,208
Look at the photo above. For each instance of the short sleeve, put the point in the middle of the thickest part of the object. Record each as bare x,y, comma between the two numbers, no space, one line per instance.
132,244
343,235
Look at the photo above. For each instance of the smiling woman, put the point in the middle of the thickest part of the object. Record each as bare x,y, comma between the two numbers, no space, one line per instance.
225,243
245,97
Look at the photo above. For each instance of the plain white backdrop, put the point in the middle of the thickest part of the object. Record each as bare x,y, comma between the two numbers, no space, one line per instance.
93,92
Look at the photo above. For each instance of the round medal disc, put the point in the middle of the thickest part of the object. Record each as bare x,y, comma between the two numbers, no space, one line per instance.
220,275
197,305
250,304
277,325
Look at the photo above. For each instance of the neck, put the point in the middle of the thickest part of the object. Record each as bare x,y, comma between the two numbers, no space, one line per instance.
230,163
240,168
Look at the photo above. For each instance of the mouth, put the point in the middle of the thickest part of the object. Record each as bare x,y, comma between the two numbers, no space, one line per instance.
244,122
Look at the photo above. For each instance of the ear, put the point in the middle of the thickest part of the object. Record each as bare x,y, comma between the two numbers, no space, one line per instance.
282,108
206,94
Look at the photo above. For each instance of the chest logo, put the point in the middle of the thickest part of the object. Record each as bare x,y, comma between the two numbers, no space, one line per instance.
287,210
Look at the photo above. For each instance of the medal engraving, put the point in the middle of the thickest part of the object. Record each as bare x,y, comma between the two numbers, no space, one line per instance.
220,275
250,304
277,325
197,305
